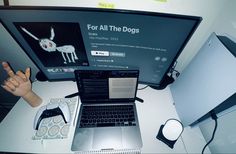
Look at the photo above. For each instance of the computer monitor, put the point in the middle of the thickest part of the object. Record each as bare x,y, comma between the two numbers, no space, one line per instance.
61,39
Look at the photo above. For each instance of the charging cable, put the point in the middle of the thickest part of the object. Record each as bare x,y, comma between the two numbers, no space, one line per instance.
214,117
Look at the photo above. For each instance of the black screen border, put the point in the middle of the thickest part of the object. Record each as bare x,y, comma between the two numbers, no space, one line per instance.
197,20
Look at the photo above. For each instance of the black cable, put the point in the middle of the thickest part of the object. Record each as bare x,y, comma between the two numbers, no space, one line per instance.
173,67
176,73
213,116
173,70
143,87
6,2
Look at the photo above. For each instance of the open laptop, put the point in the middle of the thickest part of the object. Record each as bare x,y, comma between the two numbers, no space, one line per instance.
107,119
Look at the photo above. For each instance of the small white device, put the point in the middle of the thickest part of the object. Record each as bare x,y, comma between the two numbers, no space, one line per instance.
170,132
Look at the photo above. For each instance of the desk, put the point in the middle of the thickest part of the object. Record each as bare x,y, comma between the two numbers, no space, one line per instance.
16,130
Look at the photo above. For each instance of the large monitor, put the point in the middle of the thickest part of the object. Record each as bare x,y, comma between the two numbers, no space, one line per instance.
59,40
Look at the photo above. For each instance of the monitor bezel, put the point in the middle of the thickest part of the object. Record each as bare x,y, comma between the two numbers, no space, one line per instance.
197,20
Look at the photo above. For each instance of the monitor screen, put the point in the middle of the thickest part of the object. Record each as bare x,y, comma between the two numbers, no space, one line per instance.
59,40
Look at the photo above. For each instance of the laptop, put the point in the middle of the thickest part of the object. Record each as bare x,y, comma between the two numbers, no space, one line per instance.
107,118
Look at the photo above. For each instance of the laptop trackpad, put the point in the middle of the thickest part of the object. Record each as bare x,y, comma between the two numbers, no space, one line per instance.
107,138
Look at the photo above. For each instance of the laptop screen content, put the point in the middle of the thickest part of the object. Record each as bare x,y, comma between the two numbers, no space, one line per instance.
107,85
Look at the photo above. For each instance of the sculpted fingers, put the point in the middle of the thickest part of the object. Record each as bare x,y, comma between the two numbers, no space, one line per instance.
27,73
8,69
6,88
18,79
14,82
9,86
18,83
25,76
22,76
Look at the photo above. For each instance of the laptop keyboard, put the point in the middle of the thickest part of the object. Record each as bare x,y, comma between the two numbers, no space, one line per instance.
107,116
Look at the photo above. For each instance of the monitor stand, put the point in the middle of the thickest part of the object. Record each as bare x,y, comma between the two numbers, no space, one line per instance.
166,81
41,77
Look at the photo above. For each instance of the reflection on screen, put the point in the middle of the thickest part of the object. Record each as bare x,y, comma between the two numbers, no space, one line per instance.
122,87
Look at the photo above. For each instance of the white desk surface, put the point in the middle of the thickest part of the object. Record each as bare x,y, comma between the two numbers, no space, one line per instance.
16,130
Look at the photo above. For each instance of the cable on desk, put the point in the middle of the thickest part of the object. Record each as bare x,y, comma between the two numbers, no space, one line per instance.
214,117
173,71
143,87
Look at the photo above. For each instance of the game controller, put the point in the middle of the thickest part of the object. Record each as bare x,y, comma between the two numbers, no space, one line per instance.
51,110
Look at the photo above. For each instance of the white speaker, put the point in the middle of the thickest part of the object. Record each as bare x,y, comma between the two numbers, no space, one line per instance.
170,132
207,81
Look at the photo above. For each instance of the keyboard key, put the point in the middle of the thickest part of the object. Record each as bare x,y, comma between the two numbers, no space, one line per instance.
107,116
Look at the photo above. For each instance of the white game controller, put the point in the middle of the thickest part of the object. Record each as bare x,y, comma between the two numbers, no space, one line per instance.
50,110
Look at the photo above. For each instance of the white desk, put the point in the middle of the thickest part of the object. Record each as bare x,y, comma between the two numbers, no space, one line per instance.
16,130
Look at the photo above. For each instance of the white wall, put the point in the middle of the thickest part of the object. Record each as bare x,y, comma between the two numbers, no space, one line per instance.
225,138
226,21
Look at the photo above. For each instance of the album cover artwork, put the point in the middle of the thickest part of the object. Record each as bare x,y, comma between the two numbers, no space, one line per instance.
55,44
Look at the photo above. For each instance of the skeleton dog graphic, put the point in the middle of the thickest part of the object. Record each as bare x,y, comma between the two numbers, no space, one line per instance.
67,51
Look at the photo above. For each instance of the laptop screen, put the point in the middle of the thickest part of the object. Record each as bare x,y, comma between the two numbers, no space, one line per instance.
98,86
